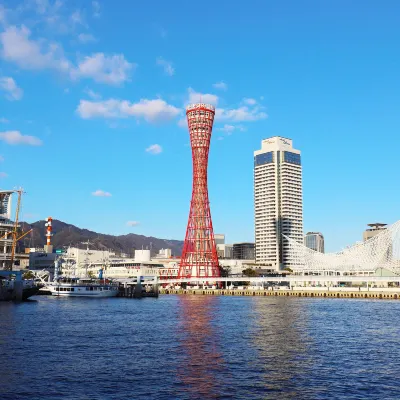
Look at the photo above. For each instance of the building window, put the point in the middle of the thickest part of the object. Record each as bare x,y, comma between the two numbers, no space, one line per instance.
265,158
291,158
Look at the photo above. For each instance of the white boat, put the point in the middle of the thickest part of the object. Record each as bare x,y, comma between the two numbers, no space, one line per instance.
76,287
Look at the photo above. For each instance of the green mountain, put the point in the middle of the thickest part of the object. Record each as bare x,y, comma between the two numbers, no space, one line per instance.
65,235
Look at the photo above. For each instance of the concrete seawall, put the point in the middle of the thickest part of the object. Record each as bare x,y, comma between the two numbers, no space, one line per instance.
385,295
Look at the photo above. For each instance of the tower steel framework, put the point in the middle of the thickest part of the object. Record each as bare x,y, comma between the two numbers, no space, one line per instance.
199,255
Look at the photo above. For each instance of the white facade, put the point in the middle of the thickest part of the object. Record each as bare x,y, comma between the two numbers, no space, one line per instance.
6,226
278,201
219,238
142,255
315,241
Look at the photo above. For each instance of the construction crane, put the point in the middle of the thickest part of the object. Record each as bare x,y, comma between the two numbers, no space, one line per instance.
14,232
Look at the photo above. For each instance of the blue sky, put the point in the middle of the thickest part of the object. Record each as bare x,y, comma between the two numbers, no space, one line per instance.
92,95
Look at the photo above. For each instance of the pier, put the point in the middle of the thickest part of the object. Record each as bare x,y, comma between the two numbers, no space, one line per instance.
304,292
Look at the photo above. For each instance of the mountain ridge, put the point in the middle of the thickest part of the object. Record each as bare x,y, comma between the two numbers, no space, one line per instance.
65,234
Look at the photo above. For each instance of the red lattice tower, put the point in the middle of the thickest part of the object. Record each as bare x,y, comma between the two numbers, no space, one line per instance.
199,255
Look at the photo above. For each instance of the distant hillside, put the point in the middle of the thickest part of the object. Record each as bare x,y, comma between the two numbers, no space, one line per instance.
70,235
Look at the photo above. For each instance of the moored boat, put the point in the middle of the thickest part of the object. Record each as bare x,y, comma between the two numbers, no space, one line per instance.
82,287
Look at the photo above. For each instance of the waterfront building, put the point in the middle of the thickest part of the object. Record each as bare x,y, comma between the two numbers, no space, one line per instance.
278,201
225,251
219,238
315,241
243,251
6,227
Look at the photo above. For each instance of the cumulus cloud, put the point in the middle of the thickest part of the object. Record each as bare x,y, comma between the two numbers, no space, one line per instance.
229,129
4,120
132,223
154,149
19,48
197,97
86,38
93,95
250,101
240,114
10,87
30,54
16,138
112,70
101,193
220,85
167,66
150,110
96,9
3,175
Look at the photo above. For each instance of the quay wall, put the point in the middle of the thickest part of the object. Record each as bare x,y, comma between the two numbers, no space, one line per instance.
383,294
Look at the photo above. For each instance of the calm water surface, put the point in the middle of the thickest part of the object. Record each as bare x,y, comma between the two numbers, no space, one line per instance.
178,347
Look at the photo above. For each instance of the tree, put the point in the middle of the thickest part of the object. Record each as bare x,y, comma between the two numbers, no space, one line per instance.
250,272
225,271
28,275
91,274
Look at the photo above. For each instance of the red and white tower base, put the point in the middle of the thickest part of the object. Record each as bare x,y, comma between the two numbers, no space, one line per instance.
199,255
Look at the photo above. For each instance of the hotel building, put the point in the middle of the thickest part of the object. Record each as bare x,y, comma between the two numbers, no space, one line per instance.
278,202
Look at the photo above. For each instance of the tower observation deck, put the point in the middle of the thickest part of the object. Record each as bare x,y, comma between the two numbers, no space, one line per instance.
199,255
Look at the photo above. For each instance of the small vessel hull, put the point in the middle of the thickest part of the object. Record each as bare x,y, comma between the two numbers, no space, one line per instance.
83,291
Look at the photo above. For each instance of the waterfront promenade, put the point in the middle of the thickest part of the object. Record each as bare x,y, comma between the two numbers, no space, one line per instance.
332,292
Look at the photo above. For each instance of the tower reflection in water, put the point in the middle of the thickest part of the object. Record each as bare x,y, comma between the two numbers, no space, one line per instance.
199,347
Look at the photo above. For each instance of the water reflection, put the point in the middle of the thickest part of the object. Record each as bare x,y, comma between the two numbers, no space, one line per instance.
282,344
199,345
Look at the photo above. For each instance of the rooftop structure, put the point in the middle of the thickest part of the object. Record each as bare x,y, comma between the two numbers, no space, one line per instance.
380,251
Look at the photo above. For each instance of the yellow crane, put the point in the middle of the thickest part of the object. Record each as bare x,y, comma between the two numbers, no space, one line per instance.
14,232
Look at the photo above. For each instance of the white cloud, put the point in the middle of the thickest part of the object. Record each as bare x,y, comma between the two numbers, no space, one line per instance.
3,175
151,110
96,9
13,92
249,101
101,193
16,138
78,19
2,15
4,120
19,48
220,85
197,97
1,159
229,129
240,114
132,223
112,70
93,95
167,65
30,54
86,38
154,149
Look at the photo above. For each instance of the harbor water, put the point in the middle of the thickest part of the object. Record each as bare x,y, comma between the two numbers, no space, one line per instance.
199,347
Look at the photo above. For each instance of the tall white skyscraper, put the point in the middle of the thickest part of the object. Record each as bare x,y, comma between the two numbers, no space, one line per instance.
278,201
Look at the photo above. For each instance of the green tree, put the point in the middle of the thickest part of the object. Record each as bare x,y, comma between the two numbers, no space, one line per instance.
28,275
225,271
250,272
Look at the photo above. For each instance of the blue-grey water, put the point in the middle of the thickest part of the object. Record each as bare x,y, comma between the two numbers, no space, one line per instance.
188,347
